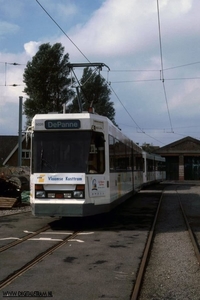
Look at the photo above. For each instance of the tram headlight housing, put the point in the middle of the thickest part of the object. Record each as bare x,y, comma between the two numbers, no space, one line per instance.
78,194
40,194
51,195
67,195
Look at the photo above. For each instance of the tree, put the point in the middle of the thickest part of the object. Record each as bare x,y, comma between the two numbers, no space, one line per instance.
47,82
96,93
150,148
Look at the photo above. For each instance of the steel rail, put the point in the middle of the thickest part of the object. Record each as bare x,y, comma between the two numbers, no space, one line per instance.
191,233
21,240
140,274
34,261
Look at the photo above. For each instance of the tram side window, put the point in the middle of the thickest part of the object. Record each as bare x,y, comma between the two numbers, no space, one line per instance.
96,160
139,164
112,153
155,165
161,166
129,153
121,158
120,155
150,165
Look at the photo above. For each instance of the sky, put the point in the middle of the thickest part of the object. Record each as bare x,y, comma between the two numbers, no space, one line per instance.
152,48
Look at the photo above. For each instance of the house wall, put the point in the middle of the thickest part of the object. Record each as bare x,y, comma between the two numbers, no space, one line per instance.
182,159
13,159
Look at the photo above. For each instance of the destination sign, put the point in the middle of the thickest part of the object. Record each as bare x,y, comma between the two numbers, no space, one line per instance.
62,124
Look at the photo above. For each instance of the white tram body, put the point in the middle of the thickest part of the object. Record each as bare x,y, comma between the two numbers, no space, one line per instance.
82,165
154,168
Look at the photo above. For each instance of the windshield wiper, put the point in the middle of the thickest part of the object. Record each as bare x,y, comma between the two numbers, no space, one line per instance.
43,162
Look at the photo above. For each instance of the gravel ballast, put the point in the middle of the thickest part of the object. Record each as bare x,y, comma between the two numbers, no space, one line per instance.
16,210
173,271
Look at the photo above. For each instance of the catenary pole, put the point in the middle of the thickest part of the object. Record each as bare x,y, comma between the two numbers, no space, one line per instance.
20,133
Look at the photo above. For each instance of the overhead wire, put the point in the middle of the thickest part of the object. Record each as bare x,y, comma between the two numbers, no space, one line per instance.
135,70
156,70
126,109
125,70
181,66
145,70
5,70
62,30
158,79
86,59
160,42
180,127
161,71
162,68
142,131
89,61
165,131
165,94
137,126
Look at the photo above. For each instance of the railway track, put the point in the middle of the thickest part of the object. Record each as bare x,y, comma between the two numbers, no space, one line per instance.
146,255
141,271
130,219
193,238
36,260
23,239
102,256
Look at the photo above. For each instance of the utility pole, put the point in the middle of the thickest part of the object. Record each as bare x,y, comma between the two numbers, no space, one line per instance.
20,133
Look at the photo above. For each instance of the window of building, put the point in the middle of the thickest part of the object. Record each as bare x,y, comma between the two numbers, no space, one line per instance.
26,154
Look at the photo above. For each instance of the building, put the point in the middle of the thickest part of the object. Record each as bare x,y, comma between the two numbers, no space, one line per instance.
182,159
7,143
9,151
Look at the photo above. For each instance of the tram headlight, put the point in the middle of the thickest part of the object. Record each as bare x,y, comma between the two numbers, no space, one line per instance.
40,194
78,194
51,195
67,195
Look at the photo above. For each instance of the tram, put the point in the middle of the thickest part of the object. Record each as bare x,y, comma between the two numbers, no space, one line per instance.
154,168
82,165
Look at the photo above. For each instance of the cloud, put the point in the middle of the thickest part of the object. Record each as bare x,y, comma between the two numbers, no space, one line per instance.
124,35
31,48
183,96
66,10
126,28
175,7
8,28
61,10
11,11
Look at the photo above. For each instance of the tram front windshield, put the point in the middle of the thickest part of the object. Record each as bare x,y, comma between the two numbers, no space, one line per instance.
66,152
